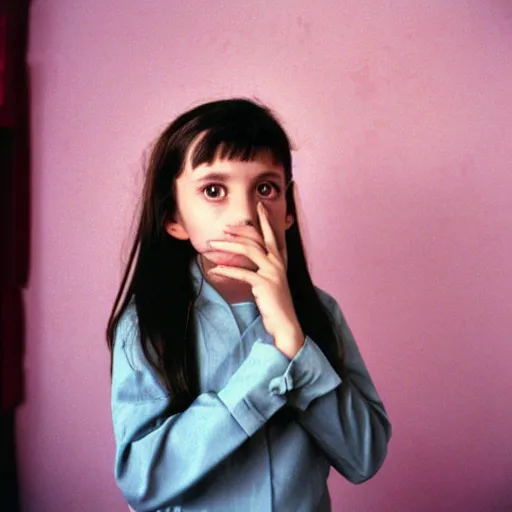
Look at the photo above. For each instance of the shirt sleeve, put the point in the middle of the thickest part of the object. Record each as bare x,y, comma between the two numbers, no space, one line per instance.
161,456
345,415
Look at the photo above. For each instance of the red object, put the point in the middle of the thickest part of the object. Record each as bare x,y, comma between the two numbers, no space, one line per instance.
14,196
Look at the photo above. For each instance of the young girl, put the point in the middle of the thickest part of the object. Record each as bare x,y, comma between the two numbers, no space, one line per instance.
236,383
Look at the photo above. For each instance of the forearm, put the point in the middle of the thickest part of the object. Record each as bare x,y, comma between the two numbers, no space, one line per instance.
344,415
160,458
356,436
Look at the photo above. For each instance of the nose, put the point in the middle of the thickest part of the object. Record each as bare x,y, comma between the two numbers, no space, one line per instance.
243,212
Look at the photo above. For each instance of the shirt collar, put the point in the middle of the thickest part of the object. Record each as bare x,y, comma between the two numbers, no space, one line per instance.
207,298
206,294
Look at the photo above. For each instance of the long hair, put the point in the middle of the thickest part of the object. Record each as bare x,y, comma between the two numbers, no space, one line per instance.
157,276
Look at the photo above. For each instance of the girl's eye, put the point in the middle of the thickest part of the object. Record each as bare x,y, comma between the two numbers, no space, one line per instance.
214,191
267,188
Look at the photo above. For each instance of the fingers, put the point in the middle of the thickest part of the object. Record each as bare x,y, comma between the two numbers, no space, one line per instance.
240,274
248,231
247,234
248,249
267,231
262,250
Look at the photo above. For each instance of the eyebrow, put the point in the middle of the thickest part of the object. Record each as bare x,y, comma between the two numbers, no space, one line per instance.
224,176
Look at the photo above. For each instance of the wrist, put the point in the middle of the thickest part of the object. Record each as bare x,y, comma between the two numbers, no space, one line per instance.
290,340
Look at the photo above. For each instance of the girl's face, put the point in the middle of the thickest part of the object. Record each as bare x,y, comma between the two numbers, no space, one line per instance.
210,198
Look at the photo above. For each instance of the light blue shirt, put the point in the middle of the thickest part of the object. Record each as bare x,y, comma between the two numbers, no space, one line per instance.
264,431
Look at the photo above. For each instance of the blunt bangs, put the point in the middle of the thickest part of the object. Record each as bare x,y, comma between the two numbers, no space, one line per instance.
240,131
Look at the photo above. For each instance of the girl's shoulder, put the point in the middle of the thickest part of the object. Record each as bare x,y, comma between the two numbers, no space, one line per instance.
332,306
128,322
127,342
327,299
131,369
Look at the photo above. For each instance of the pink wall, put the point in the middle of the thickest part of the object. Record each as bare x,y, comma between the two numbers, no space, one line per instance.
402,117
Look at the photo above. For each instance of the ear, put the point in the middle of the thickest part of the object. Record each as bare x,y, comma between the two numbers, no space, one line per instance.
289,221
176,230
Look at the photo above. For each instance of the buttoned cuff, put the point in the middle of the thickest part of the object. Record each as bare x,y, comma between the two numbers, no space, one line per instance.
308,376
247,395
